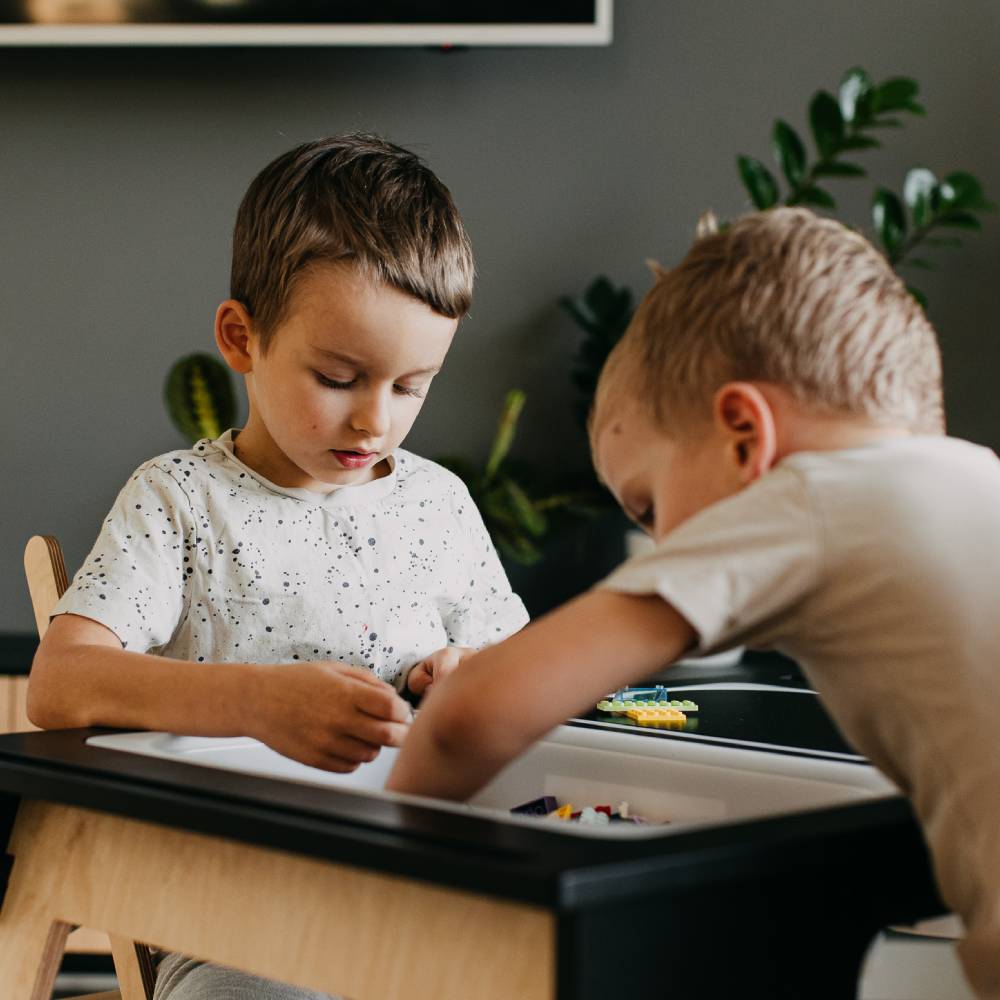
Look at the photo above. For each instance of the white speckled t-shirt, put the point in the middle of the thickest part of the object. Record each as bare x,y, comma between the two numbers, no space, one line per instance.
203,559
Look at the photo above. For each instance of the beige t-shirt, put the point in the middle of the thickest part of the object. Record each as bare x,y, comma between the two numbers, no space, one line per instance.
877,569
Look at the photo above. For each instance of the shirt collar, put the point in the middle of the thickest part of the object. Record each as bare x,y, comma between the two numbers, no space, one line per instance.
340,496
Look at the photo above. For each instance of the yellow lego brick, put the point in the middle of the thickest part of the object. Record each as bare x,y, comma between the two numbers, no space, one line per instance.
664,717
563,812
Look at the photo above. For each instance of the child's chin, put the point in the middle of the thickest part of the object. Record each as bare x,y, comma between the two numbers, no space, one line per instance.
335,475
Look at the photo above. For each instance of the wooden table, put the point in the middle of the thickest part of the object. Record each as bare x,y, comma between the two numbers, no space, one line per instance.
377,899
380,900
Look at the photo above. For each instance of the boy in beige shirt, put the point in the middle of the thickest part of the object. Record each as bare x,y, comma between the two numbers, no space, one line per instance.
773,419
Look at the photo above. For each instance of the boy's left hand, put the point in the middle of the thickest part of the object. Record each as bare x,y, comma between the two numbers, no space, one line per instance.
437,666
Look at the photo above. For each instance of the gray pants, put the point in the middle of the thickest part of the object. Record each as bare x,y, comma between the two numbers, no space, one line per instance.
182,978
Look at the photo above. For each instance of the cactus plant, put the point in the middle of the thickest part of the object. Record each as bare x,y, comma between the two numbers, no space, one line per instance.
199,396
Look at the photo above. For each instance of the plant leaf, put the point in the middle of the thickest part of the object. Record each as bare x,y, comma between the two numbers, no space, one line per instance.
920,192
860,142
884,123
607,303
837,168
580,311
919,296
813,195
517,547
524,511
855,96
889,219
958,220
759,182
963,190
789,152
894,94
827,123
506,429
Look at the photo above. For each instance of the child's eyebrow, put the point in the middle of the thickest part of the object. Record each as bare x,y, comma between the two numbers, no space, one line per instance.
357,363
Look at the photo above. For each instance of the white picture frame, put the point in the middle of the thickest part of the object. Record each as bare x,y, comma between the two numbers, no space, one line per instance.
57,33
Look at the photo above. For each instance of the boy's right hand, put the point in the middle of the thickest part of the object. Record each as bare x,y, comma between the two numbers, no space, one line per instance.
329,715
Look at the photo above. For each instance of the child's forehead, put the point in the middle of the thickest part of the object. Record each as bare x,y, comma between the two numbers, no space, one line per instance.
339,314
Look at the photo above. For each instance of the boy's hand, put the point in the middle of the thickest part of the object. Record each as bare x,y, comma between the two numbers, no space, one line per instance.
436,667
328,715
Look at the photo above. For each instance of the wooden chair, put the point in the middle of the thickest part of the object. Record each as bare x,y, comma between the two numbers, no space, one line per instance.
45,569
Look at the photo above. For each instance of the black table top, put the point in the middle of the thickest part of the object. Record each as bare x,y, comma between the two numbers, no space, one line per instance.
878,839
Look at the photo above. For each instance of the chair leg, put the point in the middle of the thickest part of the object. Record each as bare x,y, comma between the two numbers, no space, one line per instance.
133,967
31,951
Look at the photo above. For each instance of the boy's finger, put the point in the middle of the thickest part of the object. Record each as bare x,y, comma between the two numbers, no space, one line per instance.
419,677
354,746
340,765
386,734
381,703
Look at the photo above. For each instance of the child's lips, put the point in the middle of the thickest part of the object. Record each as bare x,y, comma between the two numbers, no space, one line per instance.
354,459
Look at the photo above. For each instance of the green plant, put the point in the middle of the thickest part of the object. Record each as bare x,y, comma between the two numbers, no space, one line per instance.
603,311
844,124
506,492
199,397
840,125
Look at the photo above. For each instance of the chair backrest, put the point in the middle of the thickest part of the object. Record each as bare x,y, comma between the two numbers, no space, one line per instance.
45,569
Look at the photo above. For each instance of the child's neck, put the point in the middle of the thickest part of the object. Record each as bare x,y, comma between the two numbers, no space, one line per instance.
800,429
834,434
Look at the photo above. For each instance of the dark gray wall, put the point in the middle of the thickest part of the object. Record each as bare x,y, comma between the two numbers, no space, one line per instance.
120,172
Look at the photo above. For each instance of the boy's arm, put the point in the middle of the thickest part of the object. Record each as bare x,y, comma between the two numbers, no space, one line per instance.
325,714
509,695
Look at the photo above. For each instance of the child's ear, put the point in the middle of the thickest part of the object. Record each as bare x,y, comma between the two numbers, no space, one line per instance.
234,334
746,420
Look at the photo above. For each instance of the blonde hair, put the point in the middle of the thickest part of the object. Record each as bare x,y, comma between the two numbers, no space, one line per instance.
356,199
784,297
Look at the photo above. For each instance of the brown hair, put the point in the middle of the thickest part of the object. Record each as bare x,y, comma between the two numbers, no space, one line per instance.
785,297
355,199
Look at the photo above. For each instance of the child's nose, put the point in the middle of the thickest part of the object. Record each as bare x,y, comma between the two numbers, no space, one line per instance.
371,414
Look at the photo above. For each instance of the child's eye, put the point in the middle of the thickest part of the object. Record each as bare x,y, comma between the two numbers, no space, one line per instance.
407,390
333,383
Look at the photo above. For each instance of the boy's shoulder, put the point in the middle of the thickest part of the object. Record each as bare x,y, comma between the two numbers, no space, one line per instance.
184,478
203,457
418,475
898,466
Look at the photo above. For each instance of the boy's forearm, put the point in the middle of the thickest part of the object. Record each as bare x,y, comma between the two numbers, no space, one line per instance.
98,685
438,759
511,694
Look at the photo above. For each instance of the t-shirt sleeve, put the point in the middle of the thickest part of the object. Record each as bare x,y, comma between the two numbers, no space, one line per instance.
739,570
134,579
488,610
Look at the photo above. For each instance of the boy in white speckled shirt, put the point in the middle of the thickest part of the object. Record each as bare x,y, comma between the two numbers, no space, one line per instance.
300,572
